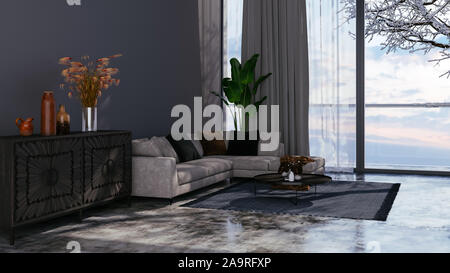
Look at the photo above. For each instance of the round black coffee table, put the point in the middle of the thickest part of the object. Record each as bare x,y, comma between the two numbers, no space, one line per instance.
277,181
314,180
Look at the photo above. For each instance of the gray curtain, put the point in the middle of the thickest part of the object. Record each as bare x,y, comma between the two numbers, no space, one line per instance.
277,29
210,49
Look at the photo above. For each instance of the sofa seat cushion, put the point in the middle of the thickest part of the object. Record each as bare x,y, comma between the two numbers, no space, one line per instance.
187,173
266,163
214,165
260,163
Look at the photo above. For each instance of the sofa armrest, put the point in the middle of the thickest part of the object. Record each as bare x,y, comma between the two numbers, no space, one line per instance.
154,177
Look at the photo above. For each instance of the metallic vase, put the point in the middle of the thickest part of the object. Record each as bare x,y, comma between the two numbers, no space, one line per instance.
89,123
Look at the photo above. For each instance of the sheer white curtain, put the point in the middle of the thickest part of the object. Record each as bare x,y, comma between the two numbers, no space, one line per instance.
332,66
232,43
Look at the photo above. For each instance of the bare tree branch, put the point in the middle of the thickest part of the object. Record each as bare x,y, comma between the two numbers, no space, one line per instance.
414,25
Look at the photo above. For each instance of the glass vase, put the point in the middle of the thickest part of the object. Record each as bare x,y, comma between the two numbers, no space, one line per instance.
89,119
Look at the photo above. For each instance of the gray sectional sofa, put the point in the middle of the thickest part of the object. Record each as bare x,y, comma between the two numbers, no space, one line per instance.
158,173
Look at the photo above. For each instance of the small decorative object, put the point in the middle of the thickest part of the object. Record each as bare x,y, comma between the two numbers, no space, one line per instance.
48,117
88,81
284,174
291,176
294,163
25,126
298,177
62,121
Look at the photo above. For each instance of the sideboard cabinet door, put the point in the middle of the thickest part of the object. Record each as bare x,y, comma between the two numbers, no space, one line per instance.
48,177
107,167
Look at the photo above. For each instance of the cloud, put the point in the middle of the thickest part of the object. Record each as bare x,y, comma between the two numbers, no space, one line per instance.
390,77
392,134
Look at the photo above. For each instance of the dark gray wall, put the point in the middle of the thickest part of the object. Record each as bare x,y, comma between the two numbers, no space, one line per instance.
160,67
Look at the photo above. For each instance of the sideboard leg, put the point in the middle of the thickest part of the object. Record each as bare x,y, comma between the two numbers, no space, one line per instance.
12,236
129,201
80,215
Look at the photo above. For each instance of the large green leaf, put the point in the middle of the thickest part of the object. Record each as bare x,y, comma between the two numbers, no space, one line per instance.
235,70
259,81
248,71
233,92
246,97
226,82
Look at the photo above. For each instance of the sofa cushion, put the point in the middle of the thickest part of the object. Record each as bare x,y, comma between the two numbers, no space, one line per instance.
244,147
214,165
214,147
274,164
198,146
185,149
261,163
318,163
187,173
266,163
166,148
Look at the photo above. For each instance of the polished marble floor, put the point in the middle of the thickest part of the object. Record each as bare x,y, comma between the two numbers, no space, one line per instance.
419,221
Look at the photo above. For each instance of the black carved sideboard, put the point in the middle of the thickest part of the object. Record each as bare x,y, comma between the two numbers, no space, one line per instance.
45,177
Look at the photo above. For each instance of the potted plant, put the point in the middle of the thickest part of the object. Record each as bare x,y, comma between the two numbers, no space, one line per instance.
241,88
88,81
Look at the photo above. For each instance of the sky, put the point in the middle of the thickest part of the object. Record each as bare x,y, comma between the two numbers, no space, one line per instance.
401,138
409,136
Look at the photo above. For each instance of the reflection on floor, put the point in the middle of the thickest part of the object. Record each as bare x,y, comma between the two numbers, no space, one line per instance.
418,222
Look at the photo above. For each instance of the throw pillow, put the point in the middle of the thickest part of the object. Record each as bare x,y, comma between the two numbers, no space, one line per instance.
245,147
185,149
197,143
166,148
146,147
213,147
198,147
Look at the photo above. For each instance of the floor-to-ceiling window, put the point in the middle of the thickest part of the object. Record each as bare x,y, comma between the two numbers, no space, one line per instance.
232,42
406,92
407,116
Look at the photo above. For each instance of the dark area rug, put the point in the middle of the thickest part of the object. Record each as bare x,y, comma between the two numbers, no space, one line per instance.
354,200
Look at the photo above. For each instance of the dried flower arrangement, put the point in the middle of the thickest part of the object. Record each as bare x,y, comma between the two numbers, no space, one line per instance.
294,163
90,80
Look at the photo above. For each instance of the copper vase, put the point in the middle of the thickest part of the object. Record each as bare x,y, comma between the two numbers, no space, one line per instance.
48,116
